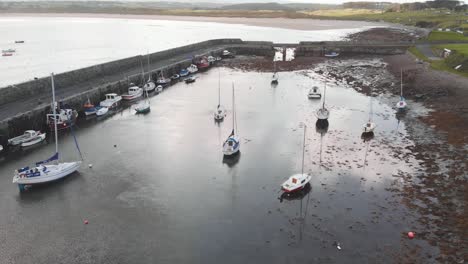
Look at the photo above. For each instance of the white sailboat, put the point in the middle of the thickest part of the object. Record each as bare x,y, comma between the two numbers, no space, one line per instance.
401,105
149,86
143,106
275,77
42,173
369,127
297,181
220,111
232,144
323,113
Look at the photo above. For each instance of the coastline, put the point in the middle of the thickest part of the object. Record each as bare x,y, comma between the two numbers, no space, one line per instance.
284,23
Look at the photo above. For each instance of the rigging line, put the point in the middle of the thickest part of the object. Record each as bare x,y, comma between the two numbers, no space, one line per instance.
76,142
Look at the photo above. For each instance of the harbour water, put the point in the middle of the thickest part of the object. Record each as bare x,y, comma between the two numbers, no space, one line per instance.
60,44
159,190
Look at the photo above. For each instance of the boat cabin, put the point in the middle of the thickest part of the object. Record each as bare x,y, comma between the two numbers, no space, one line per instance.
111,96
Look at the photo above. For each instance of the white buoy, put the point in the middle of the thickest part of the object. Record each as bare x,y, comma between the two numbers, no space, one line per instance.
90,165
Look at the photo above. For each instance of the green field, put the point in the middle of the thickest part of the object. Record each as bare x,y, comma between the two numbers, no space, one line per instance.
440,36
461,48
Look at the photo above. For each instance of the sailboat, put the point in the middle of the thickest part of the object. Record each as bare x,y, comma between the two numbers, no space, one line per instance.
369,127
149,86
274,78
401,105
314,93
297,181
323,113
42,173
232,144
220,112
143,106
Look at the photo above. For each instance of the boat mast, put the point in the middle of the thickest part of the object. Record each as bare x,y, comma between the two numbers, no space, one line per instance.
303,149
54,112
370,112
324,91
142,71
401,82
219,87
149,73
233,111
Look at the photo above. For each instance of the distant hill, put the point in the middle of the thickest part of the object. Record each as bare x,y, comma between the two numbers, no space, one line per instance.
257,6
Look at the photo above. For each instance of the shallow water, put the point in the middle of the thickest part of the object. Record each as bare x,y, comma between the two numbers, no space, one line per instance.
164,194
60,44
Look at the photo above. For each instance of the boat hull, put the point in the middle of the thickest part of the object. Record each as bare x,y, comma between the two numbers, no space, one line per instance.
290,186
53,173
129,97
314,96
34,141
231,150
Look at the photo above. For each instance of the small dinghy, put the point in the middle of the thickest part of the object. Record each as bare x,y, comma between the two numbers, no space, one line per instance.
190,79
29,138
332,54
297,182
112,100
159,88
192,68
227,54
175,77
401,105
323,113
89,108
134,92
102,111
231,146
184,72
314,93
42,173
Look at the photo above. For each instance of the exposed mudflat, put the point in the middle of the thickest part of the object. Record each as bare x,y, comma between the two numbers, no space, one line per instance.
436,121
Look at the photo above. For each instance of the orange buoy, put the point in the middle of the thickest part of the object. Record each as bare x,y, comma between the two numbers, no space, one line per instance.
411,235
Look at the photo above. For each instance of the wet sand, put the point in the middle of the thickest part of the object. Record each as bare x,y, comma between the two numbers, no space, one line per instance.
286,23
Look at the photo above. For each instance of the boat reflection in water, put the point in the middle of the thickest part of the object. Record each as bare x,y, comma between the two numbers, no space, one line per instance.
321,126
366,136
232,160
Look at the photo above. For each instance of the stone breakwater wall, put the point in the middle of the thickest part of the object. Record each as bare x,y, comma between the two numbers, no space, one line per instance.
35,118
